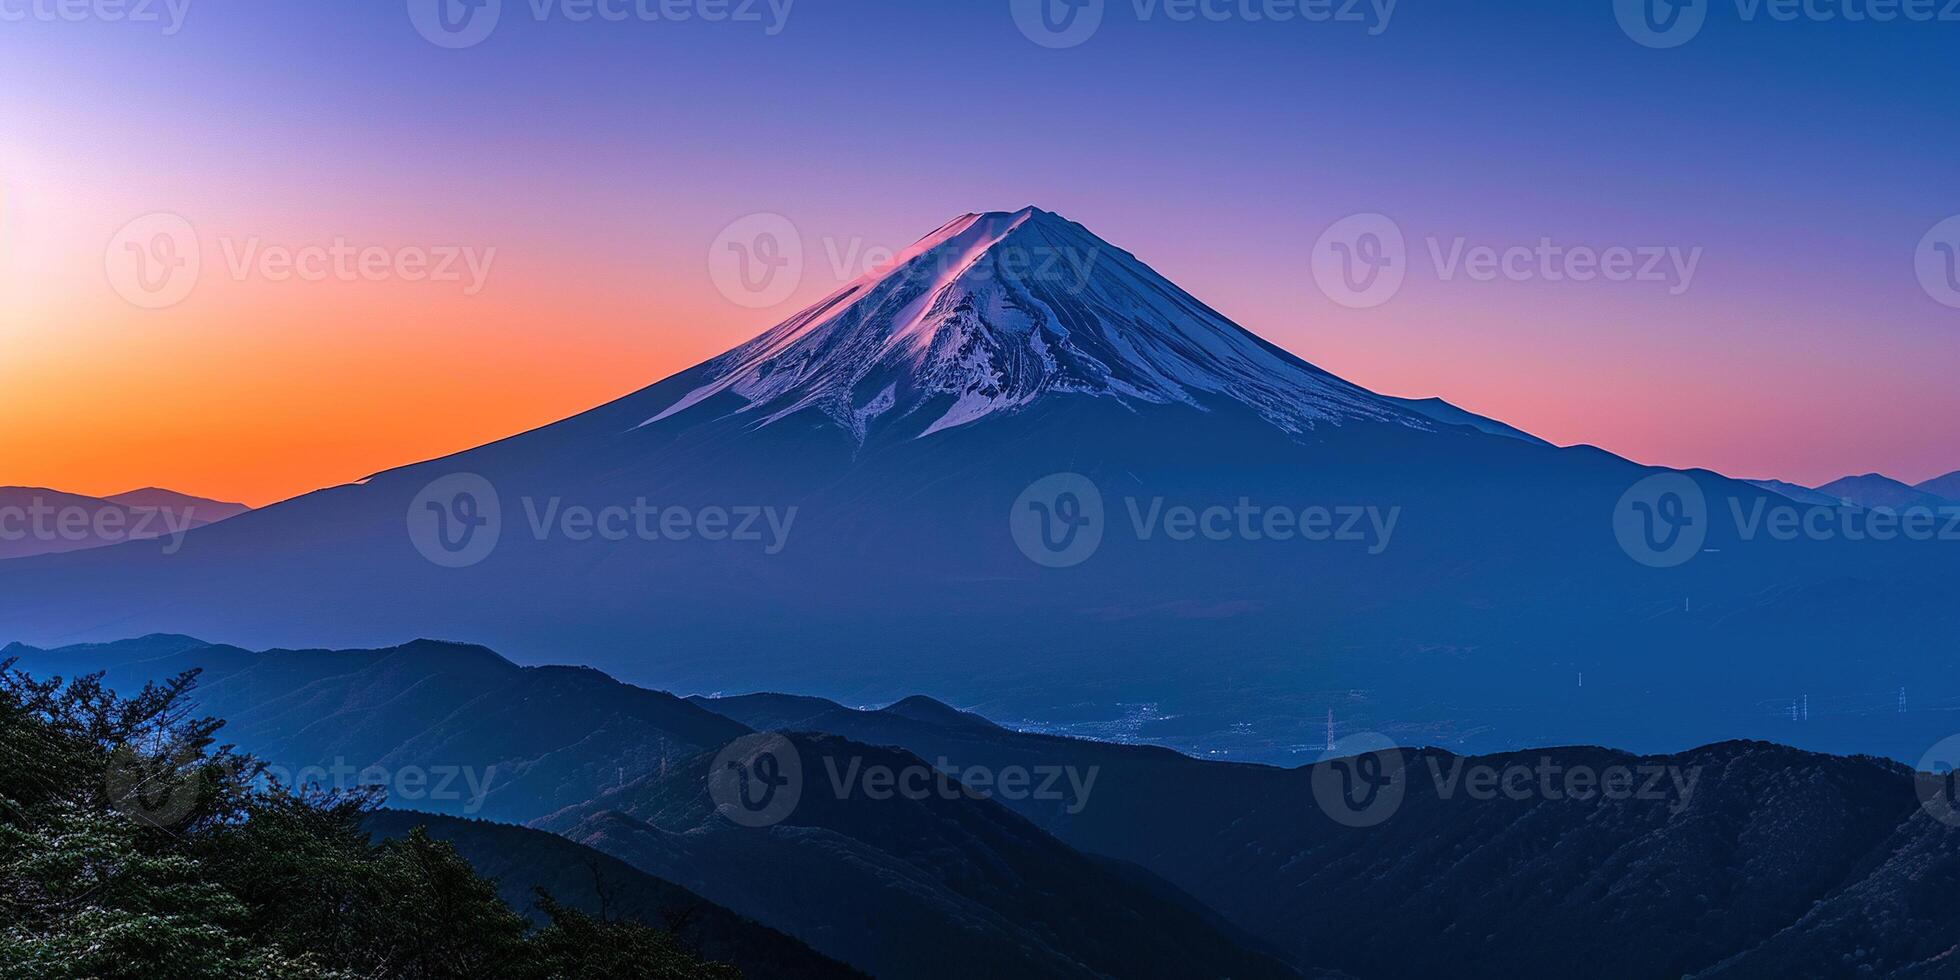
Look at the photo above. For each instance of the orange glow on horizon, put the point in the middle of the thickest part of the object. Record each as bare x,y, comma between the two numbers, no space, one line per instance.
256,391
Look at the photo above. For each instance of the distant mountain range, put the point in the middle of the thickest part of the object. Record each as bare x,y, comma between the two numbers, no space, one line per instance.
896,491
39,521
1740,859
1873,490
959,887
1504,887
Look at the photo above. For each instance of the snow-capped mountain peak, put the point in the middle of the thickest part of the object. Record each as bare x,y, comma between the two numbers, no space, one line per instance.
992,312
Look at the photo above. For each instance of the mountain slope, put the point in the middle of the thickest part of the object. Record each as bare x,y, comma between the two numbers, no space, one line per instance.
522,860
891,885
1459,586
1507,886
1878,490
202,509
1899,918
1945,487
937,885
1747,858
1448,414
1800,494
511,743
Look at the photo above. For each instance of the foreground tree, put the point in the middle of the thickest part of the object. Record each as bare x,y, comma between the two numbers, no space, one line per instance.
131,845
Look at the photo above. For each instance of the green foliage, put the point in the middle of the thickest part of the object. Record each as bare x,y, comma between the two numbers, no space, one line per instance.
131,847
575,945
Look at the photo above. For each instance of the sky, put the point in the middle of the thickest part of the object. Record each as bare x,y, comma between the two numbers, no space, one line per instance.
588,165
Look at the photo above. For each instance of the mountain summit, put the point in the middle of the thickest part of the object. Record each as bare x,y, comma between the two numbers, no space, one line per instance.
992,312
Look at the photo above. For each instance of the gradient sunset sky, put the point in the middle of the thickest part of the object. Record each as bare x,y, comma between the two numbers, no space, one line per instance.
600,160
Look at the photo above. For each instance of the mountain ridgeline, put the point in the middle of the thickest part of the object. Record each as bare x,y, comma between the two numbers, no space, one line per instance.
1018,853
40,521
131,845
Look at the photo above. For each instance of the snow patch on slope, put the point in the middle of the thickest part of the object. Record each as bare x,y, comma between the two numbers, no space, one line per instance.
993,312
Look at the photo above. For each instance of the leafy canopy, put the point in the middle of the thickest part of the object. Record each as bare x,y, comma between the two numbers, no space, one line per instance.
133,845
